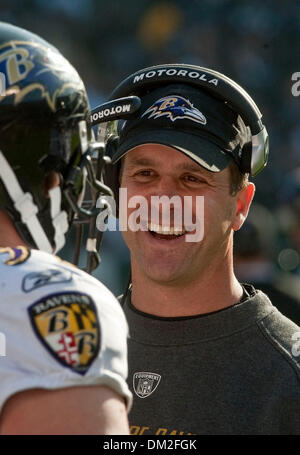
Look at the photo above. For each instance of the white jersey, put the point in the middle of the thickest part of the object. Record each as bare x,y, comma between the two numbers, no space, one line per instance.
59,327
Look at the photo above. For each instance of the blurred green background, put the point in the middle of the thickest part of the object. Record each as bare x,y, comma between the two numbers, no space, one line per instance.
256,43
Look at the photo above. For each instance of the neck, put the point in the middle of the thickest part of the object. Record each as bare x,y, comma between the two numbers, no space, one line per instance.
9,236
215,288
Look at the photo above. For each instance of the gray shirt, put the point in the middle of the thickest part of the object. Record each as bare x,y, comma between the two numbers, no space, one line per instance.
234,371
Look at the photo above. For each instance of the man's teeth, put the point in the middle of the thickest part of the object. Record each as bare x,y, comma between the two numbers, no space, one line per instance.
166,230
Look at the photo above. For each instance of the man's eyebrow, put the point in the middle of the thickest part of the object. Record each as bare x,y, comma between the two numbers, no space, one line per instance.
196,168
140,162
186,167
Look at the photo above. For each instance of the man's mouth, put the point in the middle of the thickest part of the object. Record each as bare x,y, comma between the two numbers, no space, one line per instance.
165,232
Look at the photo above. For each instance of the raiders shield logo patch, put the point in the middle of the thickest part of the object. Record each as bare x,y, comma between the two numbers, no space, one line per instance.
67,324
145,383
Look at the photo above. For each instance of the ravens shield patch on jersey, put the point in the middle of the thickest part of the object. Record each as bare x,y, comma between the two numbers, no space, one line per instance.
67,325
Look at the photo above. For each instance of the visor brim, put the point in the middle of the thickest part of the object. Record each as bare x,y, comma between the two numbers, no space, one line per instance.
199,149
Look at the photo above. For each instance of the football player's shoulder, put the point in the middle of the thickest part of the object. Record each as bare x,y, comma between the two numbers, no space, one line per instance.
13,267
29,274
41,290
19,260
61,326
65,278
14,256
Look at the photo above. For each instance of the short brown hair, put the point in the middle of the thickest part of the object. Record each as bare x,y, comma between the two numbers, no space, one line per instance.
238,181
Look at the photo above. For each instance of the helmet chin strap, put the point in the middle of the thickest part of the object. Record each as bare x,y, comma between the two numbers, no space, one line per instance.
23,203
59,218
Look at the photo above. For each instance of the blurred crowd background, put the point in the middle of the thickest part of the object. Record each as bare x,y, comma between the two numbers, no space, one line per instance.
256,43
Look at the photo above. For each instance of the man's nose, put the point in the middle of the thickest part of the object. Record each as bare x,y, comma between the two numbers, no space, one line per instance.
166,186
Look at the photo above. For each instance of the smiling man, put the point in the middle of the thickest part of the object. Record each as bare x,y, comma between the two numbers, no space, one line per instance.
207,354
165,263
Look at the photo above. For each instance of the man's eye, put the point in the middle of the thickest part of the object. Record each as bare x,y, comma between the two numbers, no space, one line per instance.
192,178
144,173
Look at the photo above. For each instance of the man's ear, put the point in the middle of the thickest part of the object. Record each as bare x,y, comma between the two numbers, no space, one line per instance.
243,201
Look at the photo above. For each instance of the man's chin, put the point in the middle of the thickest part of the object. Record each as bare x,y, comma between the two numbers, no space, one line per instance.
164,275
